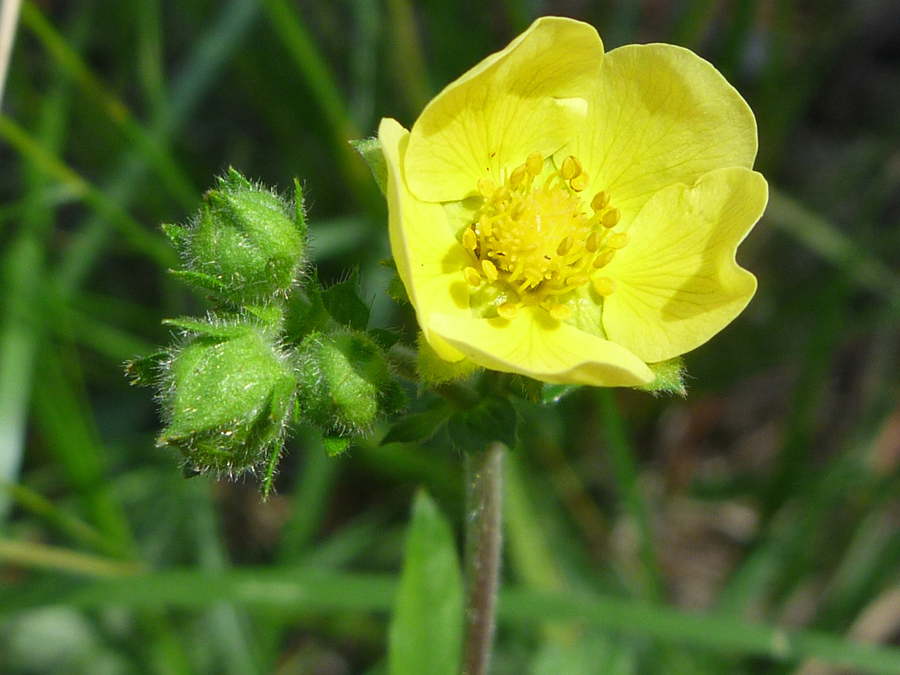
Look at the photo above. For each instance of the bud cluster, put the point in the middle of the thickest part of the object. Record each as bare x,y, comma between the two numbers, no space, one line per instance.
276,348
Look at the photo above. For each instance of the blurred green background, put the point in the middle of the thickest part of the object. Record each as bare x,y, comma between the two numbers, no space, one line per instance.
751,528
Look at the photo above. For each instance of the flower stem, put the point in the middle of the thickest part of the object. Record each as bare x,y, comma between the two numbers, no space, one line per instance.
484,479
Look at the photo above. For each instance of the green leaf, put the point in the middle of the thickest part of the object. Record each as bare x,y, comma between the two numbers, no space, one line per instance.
370,149
426,631
343,303
493,419
416,427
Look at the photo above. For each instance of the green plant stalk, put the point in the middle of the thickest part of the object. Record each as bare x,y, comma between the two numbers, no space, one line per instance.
484,479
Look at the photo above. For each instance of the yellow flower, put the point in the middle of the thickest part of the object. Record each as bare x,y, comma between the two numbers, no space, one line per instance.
573,216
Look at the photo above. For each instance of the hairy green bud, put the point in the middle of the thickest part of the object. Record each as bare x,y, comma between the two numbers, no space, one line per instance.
227,395
247,245
345,384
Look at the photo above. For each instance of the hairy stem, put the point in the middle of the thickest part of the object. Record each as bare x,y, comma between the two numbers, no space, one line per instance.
483,538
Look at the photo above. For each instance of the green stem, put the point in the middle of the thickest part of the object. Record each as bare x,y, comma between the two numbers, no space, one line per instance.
484,478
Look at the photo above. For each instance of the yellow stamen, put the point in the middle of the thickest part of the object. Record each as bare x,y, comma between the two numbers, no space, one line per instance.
508,311
517,177
565,245
559,311
579,182
604,259
539,240
517,210
604,286
470,240
611,218
618,241
578,280
484,226
570,168
490,271
473,278
486,187
600,201
534,164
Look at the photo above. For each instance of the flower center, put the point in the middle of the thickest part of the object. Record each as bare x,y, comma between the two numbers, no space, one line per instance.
538,239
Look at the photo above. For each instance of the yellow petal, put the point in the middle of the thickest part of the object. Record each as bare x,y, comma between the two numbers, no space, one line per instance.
660,115
535,345
429,259
530,97
677,281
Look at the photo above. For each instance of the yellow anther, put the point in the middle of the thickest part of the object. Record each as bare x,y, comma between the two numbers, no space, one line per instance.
518,175
600,200
508,310
470,239
593,242
577,280
486,187
489,270
534,164
618,241
611,218
559,311
580,182
604,259
565,245
570,168
473,278
604,286
517,210
484,226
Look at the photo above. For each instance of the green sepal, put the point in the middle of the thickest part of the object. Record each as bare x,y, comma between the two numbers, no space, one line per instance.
370,150
669,377
178,235
420,426
492,419
540,392
271,316
144,371
433,370
299,210
335,445
395,288
208,327
554,393
385,337
201,281
305,312
343,303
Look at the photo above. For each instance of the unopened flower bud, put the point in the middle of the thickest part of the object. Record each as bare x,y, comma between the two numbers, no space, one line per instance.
345,384
247,245
227,395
